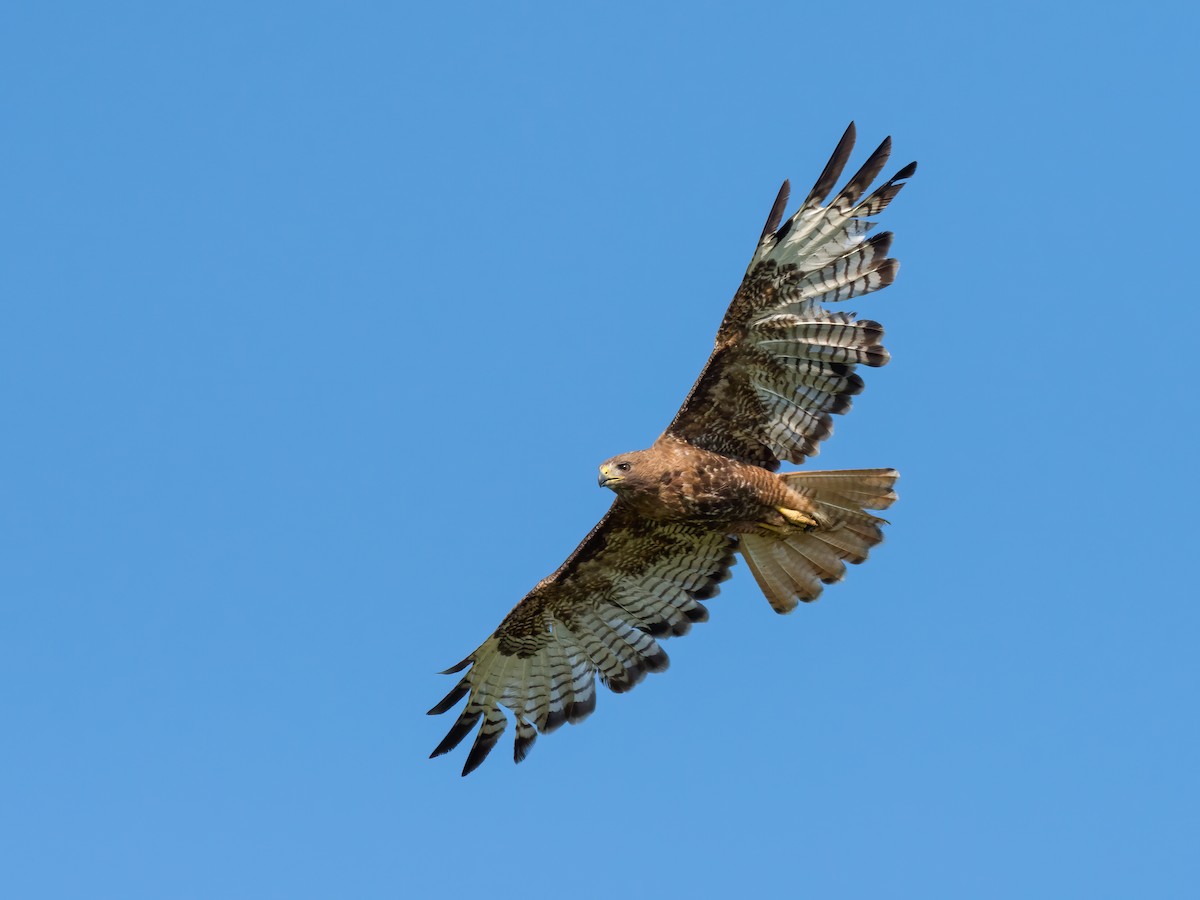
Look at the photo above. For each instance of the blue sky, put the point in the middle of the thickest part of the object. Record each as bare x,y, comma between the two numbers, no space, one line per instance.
319,317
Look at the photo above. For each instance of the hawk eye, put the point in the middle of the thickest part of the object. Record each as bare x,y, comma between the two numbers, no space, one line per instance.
622,467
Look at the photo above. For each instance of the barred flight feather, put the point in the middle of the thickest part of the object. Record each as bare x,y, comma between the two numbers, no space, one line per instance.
846,345
821,224
794,429
785,442
549,709
828,329
803,299
609,667
824,283
462,726
493,726
584,686
845,239
526,735
800,394
622,658
660,606
523,673
806,424
830,378
781,383
879,200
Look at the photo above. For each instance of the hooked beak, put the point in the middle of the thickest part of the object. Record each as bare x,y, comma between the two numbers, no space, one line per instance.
607,477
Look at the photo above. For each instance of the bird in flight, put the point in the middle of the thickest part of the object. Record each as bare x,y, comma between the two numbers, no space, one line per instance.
708,488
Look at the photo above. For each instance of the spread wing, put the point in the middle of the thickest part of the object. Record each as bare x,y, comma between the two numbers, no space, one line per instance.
783,363
629,582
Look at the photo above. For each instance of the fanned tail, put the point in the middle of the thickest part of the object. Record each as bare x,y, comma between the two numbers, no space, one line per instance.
797,566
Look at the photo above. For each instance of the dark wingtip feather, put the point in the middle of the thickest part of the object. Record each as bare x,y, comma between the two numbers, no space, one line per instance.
862,179
474,760
459,731
457,693
833,169
907,172
458,667
777,208
489,733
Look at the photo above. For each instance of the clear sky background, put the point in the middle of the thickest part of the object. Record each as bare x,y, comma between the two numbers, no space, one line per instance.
317,319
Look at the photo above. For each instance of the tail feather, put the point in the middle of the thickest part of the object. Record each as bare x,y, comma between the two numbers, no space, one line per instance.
853,544
796,566
763,556
818,556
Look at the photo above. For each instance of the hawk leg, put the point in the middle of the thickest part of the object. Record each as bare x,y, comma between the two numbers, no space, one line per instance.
797,518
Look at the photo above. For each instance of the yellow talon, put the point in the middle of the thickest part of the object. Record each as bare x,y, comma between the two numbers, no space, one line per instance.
797,518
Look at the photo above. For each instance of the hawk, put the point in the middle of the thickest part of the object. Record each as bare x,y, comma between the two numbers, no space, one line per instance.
708,488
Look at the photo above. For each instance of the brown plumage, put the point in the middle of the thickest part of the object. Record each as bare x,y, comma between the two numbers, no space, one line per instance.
706,489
